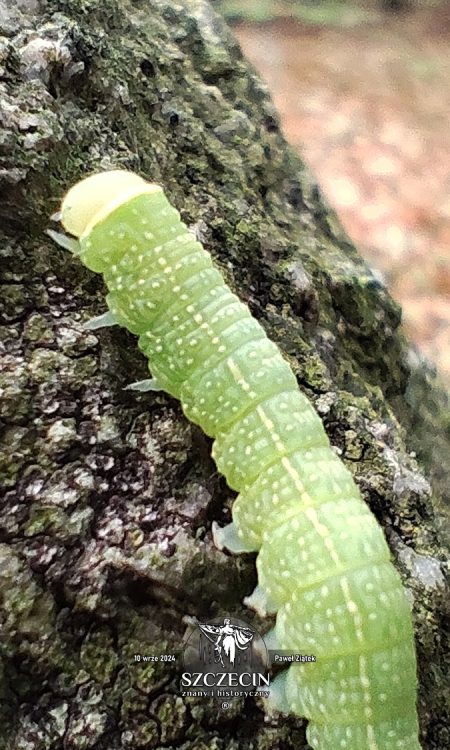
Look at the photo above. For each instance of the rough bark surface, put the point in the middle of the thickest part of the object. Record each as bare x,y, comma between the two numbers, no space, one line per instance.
108,496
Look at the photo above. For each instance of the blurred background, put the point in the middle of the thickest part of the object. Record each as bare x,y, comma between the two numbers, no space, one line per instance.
363,90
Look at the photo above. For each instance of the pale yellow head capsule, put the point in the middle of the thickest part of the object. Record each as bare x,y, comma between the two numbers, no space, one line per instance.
96,196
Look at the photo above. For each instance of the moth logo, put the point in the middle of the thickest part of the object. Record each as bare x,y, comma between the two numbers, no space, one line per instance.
225,658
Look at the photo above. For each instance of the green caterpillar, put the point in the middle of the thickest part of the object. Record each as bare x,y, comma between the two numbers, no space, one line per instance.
323,563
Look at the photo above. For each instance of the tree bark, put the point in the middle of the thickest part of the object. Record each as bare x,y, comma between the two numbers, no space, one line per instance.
105,542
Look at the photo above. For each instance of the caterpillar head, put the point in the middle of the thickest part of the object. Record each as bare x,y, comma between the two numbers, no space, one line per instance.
95,210
96,196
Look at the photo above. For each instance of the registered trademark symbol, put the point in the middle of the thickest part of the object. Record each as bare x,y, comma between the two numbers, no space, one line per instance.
226,705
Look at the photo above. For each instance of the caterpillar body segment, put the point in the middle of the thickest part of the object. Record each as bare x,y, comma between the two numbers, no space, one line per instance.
323,562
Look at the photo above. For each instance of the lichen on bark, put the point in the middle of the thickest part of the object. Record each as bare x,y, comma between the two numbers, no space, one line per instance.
108,496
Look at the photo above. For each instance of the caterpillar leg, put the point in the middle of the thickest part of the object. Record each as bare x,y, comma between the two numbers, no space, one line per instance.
100,321
68,243
261,603
271,640
150,384
277,700
226,537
